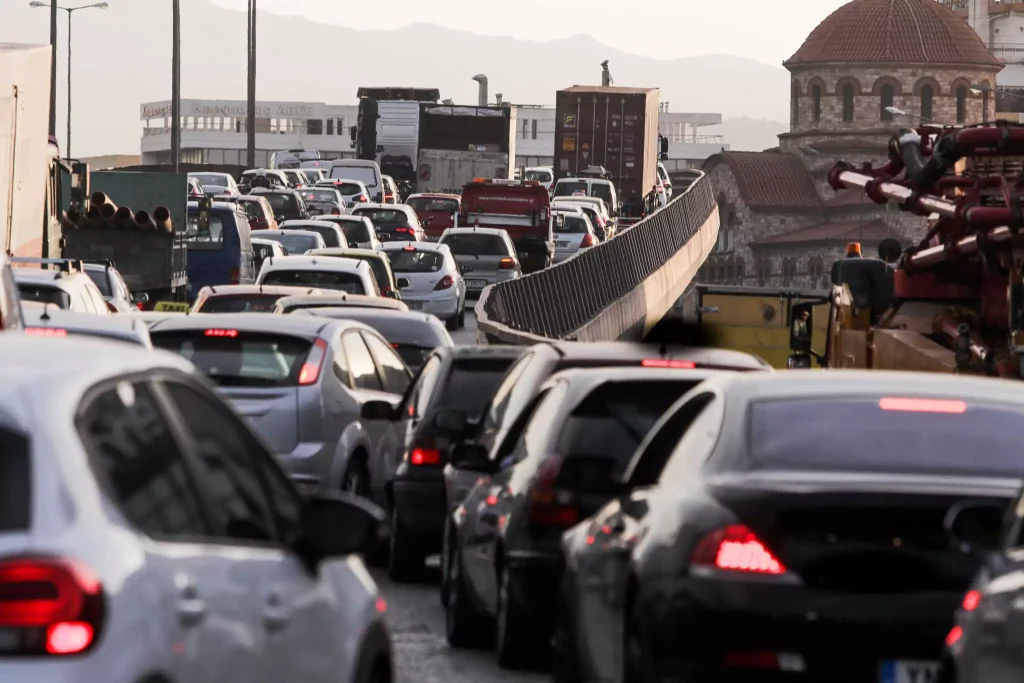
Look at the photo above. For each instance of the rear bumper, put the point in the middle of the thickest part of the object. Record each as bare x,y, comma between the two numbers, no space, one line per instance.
421,506
442,307
536,577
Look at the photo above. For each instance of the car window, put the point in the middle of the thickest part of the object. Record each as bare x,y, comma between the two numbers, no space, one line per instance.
396,376
240,303
654,451
329,234
356,232
227,452
415,261
363,174
571,188
239,358
690,453
44,294
384,217
602,191
471,383
323,279
137,462
15,481
419,401
295,242
430,205
348,189
253,209
504,392
101,280
209,238
514,442
574,225
468,244
360,363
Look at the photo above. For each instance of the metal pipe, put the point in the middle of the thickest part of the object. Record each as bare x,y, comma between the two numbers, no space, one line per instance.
482,80
53,68
897,192
175,84
250,111
162,219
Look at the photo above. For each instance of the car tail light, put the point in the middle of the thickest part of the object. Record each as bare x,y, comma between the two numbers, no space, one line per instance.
45,332
954,636
236,276
666,363
446,282
49,606
425,456
407,231
389,196
221,333
310,371
588,241
971,601
362,198
549,505
507,263
922,405
736,548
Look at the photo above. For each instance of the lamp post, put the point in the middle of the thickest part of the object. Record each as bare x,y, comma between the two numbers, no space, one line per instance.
250,110
53,84
175,84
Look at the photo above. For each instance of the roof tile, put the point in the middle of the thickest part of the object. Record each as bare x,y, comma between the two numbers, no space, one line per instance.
772,180
840,231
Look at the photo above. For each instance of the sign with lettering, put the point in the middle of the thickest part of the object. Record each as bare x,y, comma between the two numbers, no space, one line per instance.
237,109
569,121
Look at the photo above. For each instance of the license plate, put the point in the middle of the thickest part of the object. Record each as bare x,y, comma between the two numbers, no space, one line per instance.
414,305
561,244
171,307
476,284
909,671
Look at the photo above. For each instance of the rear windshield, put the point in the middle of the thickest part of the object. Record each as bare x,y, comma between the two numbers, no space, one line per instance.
356,232
382,217
101,280
209,238
45,295
574,225
614,418
240,359
320,195
348,189
282,204
295,243
323,279
253,209
476,245
330,235
472,383
415,261
211,179
15,482
569,189
603,191
245,303
363,174
539,176
426,204
402,331
887,435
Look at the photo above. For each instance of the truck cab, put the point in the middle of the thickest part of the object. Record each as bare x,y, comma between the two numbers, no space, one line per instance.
521,208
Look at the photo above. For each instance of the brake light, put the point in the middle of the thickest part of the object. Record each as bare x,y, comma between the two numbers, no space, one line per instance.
588,241
425,456
389,196
736,548
362,198
49,605
971,601
666,363
236,276
221,333
550,506
310,371
446,282
407,231
954,636
45,332
507,263
922,405
409,248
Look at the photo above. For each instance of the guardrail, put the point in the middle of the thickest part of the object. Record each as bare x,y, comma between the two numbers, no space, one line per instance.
608,292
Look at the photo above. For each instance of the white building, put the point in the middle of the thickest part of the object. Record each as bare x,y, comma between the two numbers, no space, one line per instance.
213,132
1000,25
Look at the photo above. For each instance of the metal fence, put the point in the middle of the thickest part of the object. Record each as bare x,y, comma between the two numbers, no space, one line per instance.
558,301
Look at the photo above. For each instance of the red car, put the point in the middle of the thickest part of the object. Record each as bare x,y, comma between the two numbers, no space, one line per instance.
436,212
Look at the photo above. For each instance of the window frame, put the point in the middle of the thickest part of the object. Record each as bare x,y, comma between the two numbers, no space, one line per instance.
373,361
367,336
849,103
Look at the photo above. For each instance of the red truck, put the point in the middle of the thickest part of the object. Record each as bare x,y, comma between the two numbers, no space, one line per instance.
436,212
521,208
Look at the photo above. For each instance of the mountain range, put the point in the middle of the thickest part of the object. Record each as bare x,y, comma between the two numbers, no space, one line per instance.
129,63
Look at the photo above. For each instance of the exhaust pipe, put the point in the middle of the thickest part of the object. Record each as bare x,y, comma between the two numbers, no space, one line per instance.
162,220
482,80
143,221
124,219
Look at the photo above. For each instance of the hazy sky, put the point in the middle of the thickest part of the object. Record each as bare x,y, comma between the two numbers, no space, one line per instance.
766,31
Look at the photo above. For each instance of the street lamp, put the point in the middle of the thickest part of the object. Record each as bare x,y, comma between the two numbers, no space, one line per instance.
895,111
69,10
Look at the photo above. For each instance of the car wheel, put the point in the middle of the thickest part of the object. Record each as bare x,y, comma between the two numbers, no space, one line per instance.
356,479
564,663
463,625
446,563
512,646
452,323
462,315
405,556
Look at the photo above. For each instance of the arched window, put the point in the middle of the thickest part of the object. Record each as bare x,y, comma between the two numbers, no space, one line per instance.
926,102
788,271
794,114
886,102
961,104
816,97
848,103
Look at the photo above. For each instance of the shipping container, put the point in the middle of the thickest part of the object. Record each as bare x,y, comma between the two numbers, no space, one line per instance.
398,132
448,171
615,128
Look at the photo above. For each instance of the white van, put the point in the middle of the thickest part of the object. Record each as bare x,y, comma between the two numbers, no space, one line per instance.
366,172
545,175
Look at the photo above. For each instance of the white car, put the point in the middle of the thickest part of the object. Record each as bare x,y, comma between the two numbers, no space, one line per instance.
435,280
324,272
332,233
113,287
147,533
596,210
294,241
352,192
72,291
217,184
573,233
545,175
359,231
665,179
365,171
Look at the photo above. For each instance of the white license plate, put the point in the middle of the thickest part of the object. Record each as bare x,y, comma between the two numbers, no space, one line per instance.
909,671
414,305
561,244
476,284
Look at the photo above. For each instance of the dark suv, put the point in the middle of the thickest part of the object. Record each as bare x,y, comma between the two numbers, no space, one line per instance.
287,204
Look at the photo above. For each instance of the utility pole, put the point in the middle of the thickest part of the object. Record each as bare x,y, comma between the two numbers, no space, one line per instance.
53,67
250,109
176,84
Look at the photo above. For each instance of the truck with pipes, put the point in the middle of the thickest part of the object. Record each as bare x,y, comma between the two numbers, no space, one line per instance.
31,174
612,128
460,143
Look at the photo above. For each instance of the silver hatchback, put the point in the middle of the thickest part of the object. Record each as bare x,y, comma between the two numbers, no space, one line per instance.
486,256
573,233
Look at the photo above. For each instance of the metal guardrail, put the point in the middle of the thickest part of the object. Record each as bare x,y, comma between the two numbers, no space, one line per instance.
558,302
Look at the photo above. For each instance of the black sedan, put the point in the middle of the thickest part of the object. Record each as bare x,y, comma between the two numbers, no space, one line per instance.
791,526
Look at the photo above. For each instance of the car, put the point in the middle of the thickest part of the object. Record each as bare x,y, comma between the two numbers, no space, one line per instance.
340,274
49,321
302,381
436,211
596,211
379,263
362,170
323,200
486,255
67,287
393,222
10,297
266,249
182,523
259,211
352,192
666,180
247,298
264,178
294,241
313,175
573,234
195,190
659,187
217,184
329,299
545,175
559,464
150,318
359,231
774,496
413,335
461,378
331,232
296,179
286,203
113,288
390,190
587,187
435,280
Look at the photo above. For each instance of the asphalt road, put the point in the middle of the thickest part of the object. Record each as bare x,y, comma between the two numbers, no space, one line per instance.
467,335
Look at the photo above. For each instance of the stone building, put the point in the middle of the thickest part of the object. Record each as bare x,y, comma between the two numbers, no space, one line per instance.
781,223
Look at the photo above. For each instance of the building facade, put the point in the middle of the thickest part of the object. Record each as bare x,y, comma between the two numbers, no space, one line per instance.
1000,25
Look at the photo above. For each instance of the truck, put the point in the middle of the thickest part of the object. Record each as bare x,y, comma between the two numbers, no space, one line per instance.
460,143
613,128
387,129
32,176
521,208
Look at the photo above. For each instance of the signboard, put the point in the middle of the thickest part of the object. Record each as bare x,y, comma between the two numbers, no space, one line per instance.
569,121
171,307
585,150
568,144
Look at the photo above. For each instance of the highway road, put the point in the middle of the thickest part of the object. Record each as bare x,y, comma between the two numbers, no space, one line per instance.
467,335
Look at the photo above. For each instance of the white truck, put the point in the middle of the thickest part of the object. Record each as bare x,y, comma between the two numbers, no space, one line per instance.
398,138
30,168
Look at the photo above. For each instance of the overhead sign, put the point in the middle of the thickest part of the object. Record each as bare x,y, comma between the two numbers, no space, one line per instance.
569,121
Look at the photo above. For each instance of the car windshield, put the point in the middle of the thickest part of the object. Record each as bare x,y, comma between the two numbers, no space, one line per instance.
328,233
240,303
323,279
356,232
209,238
570,189
211,179
906,435
15,481
294,242
380,270
466,244
539,176
101,279
314,195
415,261
44,294
364,174
384,217
238,358
428,204
574,225
472,382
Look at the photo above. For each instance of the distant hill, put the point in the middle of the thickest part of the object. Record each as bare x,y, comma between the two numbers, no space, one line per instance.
747,134
304,60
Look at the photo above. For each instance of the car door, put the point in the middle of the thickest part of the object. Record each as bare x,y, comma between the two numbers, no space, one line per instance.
410,411
368,385
396,378
141,464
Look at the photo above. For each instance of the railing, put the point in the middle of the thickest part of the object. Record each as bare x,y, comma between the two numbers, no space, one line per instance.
557,303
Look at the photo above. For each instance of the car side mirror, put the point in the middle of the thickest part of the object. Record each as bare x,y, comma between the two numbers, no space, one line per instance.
975,525
336,524
452,421
403,283
140,298
465,269
377,410
472,457
391,294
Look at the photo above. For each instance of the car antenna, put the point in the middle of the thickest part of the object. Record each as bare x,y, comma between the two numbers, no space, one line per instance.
46,311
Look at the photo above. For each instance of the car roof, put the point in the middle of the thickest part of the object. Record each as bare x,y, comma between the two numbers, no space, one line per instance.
45,277
315,263
486,351
418,246
355,162
474,231
411,325
344,219
307,221
437,195
220,173
274,190
598,351
120,327
251,197
260,240
345,300
278,231
566,209
341,252
244,322
393,207
239,290
588,378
